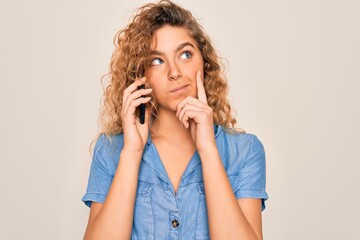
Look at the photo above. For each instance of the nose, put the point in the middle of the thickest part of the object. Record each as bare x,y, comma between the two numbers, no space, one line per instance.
174,72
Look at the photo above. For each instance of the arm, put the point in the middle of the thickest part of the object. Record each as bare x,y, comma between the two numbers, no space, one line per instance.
114,218
228,218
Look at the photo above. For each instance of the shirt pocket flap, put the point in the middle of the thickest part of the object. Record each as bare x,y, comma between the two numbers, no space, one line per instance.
143,189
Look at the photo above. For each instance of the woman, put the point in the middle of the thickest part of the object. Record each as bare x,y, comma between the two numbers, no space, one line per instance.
186,172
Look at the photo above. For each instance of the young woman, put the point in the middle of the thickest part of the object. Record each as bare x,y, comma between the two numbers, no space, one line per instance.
186,173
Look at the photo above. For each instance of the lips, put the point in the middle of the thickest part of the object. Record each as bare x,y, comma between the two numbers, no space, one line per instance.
179,87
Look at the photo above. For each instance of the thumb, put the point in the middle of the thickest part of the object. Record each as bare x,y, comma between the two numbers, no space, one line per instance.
147,116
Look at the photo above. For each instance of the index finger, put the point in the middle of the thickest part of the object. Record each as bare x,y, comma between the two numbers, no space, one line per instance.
200,88
133,87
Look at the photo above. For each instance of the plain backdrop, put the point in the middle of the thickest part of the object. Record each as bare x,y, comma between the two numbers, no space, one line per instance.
293,69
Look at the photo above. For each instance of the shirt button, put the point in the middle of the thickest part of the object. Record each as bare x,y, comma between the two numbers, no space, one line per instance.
175,223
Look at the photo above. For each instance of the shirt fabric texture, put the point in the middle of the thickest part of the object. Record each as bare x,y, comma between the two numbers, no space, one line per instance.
159,213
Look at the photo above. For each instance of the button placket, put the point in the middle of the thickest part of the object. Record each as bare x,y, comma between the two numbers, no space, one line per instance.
174,218
175,224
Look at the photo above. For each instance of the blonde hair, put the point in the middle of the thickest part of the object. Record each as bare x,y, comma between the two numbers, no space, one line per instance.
129,61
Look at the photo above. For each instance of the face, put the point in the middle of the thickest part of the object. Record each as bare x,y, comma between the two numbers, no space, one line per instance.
174,62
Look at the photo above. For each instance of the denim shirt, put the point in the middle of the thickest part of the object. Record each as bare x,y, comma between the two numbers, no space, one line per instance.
159,213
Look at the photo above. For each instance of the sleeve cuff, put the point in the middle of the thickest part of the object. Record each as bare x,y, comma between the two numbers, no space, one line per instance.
252,193
93,197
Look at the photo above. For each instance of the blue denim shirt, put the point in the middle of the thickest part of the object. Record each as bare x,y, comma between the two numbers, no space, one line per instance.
160,213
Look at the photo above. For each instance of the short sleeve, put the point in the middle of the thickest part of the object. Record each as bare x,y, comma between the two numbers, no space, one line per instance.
99,178
252,177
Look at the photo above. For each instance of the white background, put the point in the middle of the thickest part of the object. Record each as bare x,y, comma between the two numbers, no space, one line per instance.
293,69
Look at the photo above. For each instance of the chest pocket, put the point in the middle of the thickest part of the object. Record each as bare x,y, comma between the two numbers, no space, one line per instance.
202,228
143,226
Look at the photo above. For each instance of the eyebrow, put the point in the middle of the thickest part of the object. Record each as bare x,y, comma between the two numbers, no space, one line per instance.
181,46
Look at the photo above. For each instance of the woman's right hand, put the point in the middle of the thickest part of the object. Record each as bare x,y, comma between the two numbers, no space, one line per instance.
135,134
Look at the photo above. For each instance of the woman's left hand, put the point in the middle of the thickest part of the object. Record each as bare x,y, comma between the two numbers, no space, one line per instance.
198,115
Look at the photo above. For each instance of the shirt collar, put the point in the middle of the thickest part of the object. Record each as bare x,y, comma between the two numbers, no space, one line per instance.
152,158
217,130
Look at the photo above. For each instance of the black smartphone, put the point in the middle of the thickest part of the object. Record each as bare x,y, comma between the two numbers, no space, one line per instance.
142,108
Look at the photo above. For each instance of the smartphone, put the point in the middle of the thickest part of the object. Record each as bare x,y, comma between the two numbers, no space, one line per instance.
142,108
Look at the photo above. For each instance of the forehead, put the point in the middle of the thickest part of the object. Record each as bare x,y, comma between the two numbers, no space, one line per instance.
168,38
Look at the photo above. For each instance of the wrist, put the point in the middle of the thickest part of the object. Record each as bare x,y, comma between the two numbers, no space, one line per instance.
131,154
135,149
210,150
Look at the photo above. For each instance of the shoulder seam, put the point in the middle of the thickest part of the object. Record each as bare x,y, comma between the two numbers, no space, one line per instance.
100,146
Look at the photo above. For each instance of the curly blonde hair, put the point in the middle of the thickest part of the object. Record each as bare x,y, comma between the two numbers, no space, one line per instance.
129,61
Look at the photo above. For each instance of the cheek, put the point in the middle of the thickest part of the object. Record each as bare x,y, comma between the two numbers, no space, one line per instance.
154,76
196,65
156,88
151,79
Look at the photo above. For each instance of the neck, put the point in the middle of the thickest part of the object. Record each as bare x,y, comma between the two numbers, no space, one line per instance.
168,126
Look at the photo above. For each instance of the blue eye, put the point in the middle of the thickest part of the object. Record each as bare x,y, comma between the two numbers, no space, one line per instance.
186,55
157,61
